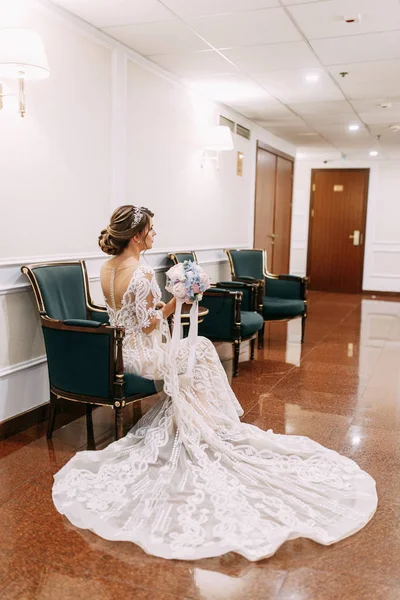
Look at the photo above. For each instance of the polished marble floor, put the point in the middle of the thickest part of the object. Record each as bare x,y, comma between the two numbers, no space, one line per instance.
342,388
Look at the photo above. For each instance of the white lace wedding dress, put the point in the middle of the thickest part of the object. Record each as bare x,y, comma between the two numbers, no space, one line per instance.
190,480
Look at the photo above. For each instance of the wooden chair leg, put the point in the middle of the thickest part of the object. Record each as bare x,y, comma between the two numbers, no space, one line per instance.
52,415
252,348
236,345
89,427
261,337
137,412
303,327
119,422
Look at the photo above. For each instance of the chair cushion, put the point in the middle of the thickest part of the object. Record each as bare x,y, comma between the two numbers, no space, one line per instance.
134,384
282,308
251,323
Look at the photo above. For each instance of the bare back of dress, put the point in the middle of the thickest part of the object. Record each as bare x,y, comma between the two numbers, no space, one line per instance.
132,294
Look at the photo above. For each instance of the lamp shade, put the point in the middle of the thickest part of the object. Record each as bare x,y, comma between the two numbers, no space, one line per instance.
219,138
22,51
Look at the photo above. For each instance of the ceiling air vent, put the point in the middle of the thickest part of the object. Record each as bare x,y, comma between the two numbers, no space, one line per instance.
243,131
227,123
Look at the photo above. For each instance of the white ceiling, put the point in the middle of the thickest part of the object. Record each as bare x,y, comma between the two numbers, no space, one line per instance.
254,55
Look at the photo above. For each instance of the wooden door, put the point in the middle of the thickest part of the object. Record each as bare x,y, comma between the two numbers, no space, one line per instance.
283,215
273,208
337,229
265,203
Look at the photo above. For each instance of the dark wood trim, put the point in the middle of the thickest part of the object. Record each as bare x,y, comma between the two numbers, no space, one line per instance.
23,421
273,150
68,412
376,293
310,219
91,306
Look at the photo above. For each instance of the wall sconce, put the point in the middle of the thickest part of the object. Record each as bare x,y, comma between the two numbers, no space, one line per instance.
22,58
218,139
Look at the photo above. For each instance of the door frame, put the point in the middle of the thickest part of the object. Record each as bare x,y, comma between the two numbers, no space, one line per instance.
364,223
262,146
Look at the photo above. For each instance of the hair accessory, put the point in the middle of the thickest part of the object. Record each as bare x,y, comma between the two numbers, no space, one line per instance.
137,216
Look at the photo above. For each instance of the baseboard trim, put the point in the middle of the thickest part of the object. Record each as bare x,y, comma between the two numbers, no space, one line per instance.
377,293
67,412
23,421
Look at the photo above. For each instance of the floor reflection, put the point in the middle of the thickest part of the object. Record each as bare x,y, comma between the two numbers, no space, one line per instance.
341,388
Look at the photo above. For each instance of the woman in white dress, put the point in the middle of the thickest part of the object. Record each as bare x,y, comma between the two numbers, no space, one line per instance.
191,481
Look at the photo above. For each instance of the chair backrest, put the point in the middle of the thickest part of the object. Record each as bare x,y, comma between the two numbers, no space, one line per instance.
246,263
60,289
224,315
180,257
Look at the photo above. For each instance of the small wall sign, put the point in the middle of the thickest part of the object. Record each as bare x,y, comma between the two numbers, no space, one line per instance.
239,164
338,188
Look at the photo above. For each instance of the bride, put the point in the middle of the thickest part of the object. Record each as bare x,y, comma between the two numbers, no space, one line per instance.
191,481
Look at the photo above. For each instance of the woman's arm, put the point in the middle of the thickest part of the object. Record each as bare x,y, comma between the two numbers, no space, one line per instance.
164,312
145,291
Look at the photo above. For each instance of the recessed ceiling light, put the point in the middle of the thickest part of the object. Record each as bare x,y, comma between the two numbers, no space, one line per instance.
373,153
312,77
354,127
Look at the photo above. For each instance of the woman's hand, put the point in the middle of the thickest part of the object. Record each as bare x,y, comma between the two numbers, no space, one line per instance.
160,305
169,308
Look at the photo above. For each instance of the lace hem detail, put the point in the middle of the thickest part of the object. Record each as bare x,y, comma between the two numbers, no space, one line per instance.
190,481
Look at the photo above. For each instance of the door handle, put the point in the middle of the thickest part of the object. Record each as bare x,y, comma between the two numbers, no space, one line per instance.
356,237
273,236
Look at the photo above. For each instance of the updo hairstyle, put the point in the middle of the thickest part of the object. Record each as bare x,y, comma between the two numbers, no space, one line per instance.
126,222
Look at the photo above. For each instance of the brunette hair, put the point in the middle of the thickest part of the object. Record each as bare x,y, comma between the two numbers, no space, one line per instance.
125,223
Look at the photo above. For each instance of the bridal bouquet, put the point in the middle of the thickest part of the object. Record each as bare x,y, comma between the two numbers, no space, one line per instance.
187,281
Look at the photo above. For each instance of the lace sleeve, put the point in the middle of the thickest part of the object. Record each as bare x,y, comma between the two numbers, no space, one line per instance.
147,295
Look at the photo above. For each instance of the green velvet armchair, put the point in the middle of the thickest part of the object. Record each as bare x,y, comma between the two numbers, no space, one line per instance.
280,297
84,354
232,316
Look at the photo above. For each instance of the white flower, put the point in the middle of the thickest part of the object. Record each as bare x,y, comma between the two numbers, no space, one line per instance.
179,290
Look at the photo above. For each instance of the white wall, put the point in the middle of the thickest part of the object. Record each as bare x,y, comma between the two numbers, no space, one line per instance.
107,128
194,206
55,163
55,174
382,241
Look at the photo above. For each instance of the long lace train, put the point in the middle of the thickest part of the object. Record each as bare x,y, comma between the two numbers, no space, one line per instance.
191,481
